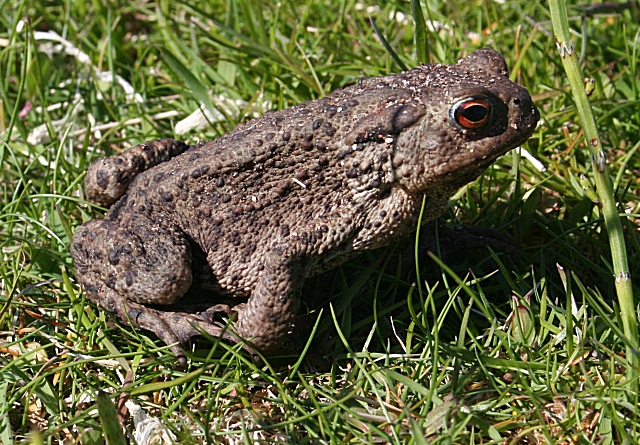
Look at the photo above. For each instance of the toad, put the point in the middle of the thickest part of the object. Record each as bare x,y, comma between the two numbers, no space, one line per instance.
246,218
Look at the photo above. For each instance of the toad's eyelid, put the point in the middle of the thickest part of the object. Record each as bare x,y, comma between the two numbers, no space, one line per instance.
473,93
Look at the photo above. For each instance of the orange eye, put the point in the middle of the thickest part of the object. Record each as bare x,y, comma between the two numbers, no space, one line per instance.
471,113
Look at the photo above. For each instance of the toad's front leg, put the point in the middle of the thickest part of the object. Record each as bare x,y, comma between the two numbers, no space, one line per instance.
268,320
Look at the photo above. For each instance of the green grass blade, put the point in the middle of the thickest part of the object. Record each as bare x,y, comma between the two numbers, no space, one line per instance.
111,426
197,89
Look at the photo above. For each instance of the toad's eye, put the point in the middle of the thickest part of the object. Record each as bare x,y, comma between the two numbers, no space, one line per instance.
471,113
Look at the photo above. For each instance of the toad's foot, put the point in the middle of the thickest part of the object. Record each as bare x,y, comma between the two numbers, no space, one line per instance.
175,328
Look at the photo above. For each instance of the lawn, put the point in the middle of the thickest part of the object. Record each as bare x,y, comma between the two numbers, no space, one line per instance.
523,344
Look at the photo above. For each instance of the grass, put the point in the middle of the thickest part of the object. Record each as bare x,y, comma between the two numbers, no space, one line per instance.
479,348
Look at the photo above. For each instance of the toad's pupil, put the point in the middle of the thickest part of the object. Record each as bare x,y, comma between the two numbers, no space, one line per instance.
474,112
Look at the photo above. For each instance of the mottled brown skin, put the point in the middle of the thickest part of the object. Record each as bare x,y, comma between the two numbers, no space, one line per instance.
254,213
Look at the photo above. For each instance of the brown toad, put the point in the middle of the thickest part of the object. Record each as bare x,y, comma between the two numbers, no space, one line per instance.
289,195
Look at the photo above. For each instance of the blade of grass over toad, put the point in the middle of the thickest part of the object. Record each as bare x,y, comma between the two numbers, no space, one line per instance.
604,187
198,90
422,51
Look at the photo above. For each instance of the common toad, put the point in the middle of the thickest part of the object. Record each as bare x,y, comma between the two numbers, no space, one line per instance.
246,218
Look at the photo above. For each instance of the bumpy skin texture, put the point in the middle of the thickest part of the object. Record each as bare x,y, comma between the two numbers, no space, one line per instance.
247,217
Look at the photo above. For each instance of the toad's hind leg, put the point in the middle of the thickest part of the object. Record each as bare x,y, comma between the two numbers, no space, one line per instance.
139,260
125,266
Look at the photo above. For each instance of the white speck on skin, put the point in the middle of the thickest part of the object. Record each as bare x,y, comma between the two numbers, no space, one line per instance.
299,183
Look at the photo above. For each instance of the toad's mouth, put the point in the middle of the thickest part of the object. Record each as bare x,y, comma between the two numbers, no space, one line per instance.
464,167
